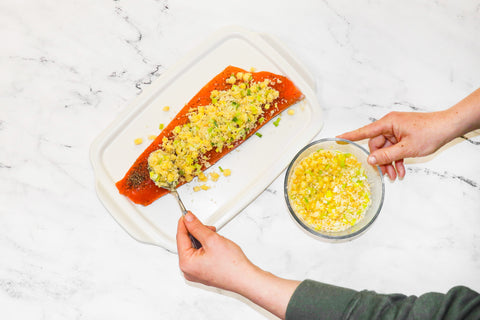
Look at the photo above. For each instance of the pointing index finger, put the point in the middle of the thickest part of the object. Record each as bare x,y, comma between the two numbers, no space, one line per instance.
369,131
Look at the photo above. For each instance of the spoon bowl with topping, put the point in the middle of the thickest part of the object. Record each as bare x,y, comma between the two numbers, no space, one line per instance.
165,175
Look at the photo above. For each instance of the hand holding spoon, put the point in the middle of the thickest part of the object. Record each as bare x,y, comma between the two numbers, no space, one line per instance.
170,186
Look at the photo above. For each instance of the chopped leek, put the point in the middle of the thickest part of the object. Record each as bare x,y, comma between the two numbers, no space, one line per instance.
276,122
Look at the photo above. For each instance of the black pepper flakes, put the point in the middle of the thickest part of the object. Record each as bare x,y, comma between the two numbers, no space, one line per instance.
137,177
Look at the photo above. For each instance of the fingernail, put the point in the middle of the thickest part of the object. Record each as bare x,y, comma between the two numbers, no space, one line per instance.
189,217
372,160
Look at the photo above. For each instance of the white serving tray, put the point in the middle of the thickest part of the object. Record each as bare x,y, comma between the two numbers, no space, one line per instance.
254,164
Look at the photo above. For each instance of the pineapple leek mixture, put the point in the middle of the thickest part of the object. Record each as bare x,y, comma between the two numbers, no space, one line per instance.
329,190
229,117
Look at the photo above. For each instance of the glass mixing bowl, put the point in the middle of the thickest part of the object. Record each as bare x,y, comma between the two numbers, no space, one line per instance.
374,178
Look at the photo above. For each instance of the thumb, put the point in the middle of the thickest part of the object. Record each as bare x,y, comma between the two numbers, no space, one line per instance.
388,155
197,228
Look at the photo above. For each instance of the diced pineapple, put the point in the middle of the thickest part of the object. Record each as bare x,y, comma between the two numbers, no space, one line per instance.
214,176
202,177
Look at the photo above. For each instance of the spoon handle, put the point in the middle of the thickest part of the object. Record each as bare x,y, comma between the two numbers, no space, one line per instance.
195,243
180,203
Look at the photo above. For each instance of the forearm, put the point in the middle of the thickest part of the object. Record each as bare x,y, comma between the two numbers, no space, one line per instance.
464,116
267,290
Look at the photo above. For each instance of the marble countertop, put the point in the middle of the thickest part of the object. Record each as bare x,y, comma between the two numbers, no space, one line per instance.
69,67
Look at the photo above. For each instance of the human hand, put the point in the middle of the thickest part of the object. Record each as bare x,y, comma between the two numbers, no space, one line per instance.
219,263
400,135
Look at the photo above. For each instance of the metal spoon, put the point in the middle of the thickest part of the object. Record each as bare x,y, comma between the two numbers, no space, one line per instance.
195,243
172,187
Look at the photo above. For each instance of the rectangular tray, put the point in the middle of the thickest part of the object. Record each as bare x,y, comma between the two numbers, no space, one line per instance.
254,164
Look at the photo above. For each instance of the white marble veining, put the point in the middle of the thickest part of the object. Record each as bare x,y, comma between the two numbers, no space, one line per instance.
69,67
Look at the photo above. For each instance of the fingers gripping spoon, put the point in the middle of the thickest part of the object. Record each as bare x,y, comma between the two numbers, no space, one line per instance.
195,243
172,187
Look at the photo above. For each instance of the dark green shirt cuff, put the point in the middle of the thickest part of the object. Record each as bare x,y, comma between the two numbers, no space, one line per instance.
315,300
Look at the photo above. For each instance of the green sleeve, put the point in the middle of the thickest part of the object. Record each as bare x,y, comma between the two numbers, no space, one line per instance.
314,300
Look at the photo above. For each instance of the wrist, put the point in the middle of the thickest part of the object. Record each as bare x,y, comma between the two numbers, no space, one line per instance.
248,279
465,115
267,290
451,126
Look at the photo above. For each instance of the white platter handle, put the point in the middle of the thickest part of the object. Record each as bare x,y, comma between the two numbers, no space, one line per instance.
287,55
135,227
122,220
